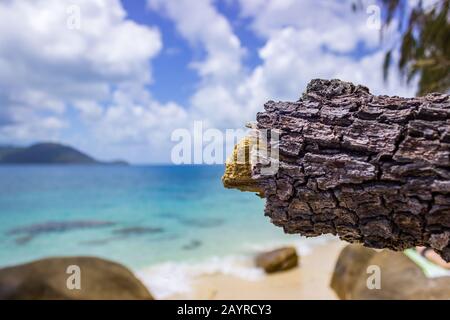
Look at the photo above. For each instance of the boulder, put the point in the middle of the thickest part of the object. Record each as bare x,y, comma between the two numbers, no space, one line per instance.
47,279
401,278
352,262
278,260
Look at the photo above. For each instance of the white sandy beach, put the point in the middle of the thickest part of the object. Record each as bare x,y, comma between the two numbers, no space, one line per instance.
308,281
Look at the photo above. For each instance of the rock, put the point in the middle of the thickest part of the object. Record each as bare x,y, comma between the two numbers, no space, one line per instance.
352,262
278,260
29,232
401,278
47,280
137,231
238,168
193,244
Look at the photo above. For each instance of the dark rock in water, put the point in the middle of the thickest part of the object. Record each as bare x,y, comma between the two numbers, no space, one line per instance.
47,280
193,221
23,240
169,215
100,242
166,237
137,230
194,244
27,233
401,278
201,222
123,233
59,226
278,260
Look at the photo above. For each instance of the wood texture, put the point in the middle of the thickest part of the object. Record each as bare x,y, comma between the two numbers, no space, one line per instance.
371,169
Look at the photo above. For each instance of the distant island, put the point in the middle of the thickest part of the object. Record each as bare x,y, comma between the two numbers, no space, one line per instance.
48,153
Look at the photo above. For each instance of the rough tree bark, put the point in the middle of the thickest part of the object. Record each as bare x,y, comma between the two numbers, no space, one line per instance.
371,169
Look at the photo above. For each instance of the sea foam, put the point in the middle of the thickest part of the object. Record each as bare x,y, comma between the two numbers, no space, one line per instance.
177,278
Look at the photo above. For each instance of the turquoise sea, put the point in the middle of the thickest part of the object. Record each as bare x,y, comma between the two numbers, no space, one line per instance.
136,215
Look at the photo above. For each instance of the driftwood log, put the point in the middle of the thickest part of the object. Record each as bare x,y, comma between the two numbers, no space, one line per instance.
371,169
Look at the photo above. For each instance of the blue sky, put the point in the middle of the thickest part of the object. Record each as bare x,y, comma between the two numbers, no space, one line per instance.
116,78
173,79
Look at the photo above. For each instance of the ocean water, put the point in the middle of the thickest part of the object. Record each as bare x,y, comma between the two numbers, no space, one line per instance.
137,215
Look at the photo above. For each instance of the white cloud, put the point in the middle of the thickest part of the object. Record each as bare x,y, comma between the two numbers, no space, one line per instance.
202,25
90,110
53,73
47,67
317,39
134,118
101,71
216,100
303,40
292,57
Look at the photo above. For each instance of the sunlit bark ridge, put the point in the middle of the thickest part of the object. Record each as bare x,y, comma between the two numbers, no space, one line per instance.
370,169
